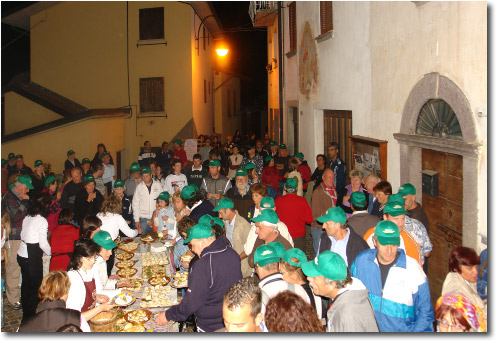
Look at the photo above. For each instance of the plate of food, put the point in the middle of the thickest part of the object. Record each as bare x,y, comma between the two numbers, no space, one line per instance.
162,281
139,316
186,258
148,239
124,256
154,271
129,247
132,328
124,300
136,284
155,297
179,280
125,264
127,272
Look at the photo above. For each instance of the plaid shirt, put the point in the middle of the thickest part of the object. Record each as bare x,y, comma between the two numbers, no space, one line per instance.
17,209
418,231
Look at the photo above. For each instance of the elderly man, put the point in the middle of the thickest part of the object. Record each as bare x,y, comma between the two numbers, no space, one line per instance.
16,203
164,158
71,161
373,204
20,168
133,180
71,189
267,231
361,221
179,152
146,156
144,201
413,208
237,230
242,308
330,277
294,211
109,175
324,197
274,149
241,194
339,238
398,288
337,165
254,158
216,270
216,185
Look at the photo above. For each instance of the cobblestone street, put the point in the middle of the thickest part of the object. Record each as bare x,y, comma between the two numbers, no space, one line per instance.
11,317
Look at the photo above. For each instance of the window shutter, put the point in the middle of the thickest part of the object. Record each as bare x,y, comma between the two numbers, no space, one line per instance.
151,23
292,26
326,24
152,94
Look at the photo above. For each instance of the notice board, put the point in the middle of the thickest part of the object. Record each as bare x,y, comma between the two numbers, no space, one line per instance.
369,156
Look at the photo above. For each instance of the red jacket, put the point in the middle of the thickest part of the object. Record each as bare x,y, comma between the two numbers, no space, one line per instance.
62,241
306,174
271,177
181,155
295,212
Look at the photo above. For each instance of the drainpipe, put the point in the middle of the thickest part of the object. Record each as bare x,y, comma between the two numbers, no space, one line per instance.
280,37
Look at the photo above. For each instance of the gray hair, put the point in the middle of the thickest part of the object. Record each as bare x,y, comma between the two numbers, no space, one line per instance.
267,224
290,190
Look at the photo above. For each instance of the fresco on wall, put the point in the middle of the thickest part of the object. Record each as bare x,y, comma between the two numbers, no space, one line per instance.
308,67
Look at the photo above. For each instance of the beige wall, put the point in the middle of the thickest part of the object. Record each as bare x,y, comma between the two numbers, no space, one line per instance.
224,124
82,137
18,106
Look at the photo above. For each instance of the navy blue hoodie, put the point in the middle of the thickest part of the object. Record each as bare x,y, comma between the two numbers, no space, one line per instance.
218,268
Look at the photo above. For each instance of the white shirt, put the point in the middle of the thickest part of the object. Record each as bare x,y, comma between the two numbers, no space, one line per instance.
34,230
230,229
104,285
108,173
112,223
173,179
252,236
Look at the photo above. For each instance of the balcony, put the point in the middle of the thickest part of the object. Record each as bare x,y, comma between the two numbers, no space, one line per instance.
263,13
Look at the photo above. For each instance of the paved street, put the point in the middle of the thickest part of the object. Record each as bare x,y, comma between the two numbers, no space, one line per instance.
11,318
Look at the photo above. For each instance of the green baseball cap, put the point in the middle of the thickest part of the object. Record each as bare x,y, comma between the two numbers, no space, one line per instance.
268,158
26,180
291,183
335,214
241,172
146,170
135,167
118,183
299,156
49,179
4,161
188,192
199,231
265,254
214,163
218,221
164,196
269,216
406,189
282,146
19,156
273,143
11,156
224,203
102,155
267,202
10,186
104,239
280,249
206,219
394,208
357,199
85,160
387,233
397,197
70,152
295,253
328,264
38,163
89,178
178,141
249,165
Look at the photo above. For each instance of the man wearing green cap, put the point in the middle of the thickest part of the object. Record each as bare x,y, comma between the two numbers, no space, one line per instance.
237,230
179,152
144,200
241,194
20,167
398,288
361,221
273,149
215,185
133,180
413,208
71,161
294,211
71,189
330,277
216,270
16,203
267,231
175,181
146,156
339,238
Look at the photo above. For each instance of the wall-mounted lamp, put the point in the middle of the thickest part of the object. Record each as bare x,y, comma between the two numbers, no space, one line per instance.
221,51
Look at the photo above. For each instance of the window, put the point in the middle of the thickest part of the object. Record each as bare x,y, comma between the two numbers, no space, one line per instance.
151,23
204,91
292,26
437,119
229,103
325,16
152,95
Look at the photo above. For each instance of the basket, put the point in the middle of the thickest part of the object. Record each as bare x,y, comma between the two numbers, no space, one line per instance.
104,322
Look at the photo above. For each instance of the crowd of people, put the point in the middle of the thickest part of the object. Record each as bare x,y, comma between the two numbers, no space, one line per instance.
240,210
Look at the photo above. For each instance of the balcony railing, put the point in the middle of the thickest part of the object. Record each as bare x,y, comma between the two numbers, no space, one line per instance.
258,6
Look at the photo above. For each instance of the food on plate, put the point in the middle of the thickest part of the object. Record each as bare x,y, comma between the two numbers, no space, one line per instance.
136,284
128,247
127,272
154,271
138,316
125,264
124,256
124,299
186,258
157,296
151,259
162,280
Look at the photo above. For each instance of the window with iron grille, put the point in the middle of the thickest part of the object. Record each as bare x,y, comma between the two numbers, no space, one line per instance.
152,95
151,23
292,26
326,17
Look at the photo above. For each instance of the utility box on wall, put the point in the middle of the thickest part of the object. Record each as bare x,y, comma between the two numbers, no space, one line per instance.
430,182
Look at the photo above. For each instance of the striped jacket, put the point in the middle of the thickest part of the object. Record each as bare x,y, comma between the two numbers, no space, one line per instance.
404,304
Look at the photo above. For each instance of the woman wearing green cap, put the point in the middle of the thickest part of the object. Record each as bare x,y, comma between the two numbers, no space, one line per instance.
38,179
88,200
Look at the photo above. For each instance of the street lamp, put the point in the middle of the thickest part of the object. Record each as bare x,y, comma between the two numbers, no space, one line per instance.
221,51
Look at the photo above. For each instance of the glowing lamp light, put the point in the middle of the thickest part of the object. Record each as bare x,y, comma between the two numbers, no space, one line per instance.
222,51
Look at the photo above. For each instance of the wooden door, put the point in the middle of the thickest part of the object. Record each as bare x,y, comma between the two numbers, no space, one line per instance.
337,128
445,214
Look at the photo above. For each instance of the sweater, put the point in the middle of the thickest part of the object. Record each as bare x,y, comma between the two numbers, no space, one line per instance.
50,316
294,211
321,201
306,174
271,177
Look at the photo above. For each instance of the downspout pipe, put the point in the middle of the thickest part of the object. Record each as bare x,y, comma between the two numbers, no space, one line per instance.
280,37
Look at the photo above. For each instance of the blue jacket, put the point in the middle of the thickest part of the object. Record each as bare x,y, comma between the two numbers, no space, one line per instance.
404,305
339,168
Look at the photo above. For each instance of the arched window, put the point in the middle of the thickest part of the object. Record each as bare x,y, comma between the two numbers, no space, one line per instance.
437,119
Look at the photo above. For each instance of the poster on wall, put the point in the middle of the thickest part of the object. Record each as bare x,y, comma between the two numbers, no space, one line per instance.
191,148
369,156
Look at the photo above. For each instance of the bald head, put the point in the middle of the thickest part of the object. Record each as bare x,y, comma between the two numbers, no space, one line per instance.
328,177
370,182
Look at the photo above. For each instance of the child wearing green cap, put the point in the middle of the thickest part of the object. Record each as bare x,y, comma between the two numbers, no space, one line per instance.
164,214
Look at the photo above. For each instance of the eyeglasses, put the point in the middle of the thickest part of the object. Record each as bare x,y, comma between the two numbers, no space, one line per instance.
445,324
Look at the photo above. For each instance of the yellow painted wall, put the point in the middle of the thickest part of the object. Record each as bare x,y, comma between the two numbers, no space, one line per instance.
82,137
24,114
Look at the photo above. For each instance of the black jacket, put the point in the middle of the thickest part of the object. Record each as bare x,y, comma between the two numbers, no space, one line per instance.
68,164
83,208
69,194
355,245
204,208
50,316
